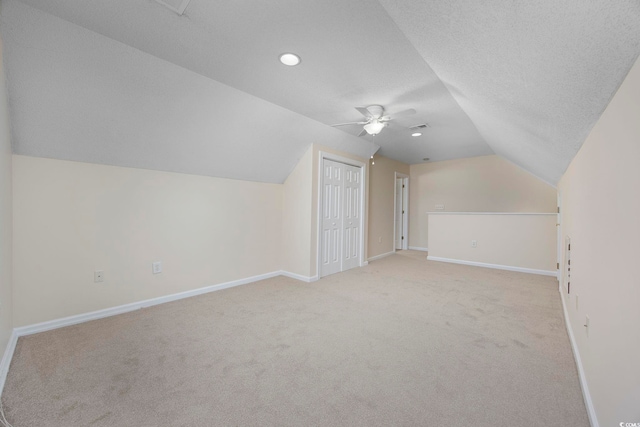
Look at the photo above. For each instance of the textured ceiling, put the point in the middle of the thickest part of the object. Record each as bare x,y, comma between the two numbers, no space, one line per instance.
526,80
533,76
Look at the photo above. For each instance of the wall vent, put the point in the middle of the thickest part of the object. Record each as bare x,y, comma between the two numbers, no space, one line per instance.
420,126
177,6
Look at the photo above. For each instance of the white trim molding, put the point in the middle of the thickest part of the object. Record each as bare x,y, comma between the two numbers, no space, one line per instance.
405,209
490,213
297,276
496,266
418,248
107,312
112,311
591,411
6,358
384,255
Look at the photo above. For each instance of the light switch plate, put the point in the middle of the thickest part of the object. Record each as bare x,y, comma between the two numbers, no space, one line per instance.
156,267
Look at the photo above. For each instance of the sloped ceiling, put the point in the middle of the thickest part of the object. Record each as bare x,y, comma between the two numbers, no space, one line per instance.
134,84
533,76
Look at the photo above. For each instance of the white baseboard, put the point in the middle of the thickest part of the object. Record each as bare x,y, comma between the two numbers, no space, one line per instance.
496,266
6,358
418,248
373,258
112,311
593,418
107,312
297,276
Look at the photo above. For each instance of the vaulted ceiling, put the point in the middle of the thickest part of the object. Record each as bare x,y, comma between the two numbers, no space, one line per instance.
131,83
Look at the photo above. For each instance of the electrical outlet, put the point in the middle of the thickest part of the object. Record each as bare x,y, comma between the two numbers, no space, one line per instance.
156,267
98,276
380,239
440,206
576,301
474,243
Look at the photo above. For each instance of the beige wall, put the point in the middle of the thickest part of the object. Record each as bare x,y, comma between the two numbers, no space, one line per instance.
5,218
71,219
600,194
477,184
382,204
523,241
296,217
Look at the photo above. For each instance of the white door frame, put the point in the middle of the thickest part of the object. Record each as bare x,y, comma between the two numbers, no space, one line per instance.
337,158
405,198
560,245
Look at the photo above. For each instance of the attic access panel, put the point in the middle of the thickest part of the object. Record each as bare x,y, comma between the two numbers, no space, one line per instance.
177,6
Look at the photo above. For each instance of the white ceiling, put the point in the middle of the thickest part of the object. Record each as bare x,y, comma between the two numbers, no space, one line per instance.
533,76
204,93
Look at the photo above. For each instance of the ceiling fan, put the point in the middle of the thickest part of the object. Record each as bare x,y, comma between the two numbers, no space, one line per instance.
376,120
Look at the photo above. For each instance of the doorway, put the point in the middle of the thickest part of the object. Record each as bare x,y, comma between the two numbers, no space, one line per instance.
341,206
401,212
559,239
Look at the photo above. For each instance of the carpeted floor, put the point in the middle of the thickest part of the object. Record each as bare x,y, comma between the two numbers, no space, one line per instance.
401,342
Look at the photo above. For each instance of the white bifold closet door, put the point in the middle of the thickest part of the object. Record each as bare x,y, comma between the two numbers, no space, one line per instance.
351,221
341,217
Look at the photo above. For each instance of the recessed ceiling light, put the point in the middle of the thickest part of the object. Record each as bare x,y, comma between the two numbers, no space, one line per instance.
416,134
290,59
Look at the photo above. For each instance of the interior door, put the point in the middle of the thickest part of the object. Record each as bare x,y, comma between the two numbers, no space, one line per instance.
405,214
332,217
559,239
351,227
399,217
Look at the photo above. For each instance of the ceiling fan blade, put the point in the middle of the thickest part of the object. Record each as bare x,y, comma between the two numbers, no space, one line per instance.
349,123
364,112
364,132
408,112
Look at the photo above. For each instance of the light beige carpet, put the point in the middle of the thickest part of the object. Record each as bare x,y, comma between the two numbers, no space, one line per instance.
401,342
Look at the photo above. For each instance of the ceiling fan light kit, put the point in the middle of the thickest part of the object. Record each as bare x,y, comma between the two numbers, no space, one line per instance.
374,127
375,119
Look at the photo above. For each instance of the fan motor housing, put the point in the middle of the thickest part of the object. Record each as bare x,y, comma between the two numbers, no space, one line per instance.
376,110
